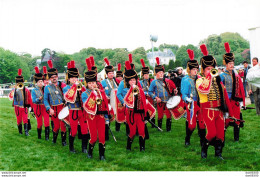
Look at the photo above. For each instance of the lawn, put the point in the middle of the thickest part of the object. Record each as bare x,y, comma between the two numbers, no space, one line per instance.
165,151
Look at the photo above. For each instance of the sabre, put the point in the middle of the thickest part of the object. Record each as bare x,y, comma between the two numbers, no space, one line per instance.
32,113
112,133
245,107
154,125
235,119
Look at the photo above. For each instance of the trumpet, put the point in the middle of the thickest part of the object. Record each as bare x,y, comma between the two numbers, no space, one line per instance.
98,99
19,85
214,72
136,90
79,86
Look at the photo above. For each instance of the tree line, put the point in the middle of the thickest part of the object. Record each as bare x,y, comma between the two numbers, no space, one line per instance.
10,62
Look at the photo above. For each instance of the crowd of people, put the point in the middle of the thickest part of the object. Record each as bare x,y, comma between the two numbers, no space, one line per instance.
210,100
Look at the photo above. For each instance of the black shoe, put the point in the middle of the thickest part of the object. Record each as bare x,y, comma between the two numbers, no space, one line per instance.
63,138
71,142
160,123
168,125
47,133
236,132
90,151
85,139
218,149
39,130
142,144
55,135
202,135
146,132
26,129
188,135
20,129
101,151
204,149
117,126
107,132
129,143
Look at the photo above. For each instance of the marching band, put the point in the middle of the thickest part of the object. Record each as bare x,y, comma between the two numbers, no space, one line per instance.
206,99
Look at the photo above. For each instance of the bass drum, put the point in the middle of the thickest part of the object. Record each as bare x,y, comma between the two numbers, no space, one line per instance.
173,102
64,116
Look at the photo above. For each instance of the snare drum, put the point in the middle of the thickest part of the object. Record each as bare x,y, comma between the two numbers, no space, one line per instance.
64,115
173,102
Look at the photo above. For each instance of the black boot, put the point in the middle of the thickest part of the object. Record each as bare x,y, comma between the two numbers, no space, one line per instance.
160,123
202,134
236,132
218,149
63,138
25,126
85,143
101,151
168,125
20,129
90,151
117,126
204,149
127,130
39,130
47,133
29,125
71,141
52,126
141,143
55,135
79,132
188,134
107,132
153,121
146,132
129,143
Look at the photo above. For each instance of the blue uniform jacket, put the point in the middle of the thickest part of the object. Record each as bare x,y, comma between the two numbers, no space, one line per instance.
36,94
157,90
227,80
77,104
53,96
188,87
107,87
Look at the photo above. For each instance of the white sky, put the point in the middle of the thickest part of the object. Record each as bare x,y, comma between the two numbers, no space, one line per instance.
70,25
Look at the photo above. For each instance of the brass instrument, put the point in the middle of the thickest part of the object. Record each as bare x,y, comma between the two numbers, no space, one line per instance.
79,86
19,85
136,90
99,99
214,72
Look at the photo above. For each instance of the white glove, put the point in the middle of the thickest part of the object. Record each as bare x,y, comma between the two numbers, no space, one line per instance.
189,100
226,115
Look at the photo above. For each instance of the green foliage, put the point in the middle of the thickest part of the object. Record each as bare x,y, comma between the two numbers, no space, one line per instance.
165,151
173,47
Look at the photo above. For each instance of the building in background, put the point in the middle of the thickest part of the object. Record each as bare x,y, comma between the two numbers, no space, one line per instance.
165,56
254,42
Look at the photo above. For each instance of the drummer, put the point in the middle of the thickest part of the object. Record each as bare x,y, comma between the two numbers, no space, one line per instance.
160,90
109,84
54,102
95,104
72,95
190,96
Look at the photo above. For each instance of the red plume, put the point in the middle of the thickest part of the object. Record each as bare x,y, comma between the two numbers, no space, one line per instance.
204,50
68,65
107,62
44,69
36,70
158,60
127,65
130,58
118,66
191,54
142,62
72,64
92,60
88,64
227,47
19,72
50,64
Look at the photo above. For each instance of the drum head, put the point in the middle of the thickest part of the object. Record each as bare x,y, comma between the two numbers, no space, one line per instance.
64,113
113,100
173,102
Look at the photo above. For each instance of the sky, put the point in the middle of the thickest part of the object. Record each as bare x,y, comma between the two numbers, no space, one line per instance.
71,25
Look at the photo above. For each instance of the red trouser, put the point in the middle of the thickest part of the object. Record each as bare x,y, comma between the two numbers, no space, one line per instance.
96,126
58,124
77,117
196,117
161,107
215,123
40,111
236,111
135,120
21,115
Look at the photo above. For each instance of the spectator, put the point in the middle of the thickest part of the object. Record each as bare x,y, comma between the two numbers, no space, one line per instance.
247,67
241,73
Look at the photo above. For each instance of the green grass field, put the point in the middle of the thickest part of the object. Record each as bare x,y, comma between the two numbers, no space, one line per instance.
165,151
